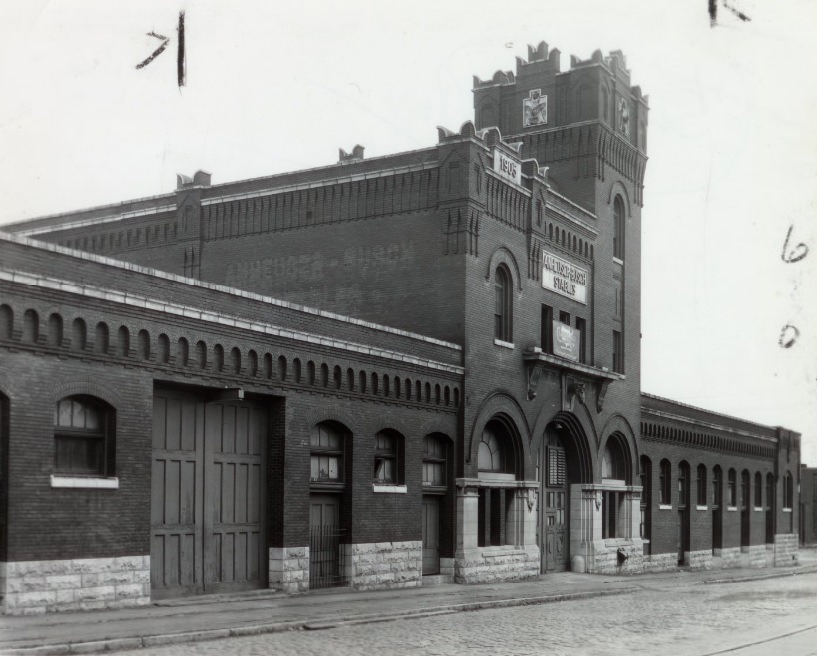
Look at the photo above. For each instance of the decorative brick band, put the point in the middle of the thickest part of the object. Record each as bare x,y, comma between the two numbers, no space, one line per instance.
385,565
39,586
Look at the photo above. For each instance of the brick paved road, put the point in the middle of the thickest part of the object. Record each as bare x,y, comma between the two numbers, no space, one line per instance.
674,619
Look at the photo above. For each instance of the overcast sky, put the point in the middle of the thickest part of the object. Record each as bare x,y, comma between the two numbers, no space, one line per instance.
274,86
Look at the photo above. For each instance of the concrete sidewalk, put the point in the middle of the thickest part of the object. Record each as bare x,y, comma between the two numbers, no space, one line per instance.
221,616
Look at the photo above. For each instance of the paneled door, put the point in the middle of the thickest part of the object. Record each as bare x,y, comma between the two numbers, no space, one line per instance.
431,534
207,496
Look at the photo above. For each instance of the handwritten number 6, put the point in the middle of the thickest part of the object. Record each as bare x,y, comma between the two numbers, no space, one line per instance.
795,254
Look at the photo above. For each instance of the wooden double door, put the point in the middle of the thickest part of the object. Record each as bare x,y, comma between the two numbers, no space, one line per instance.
207,496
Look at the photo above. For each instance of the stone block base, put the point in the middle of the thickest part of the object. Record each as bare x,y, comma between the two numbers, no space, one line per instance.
728,557
289,568
494,564
385,565
701,559
603,557
664,562
40,586
785,549
754,555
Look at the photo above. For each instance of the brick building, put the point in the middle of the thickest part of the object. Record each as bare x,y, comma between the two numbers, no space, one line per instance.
379,373
808,506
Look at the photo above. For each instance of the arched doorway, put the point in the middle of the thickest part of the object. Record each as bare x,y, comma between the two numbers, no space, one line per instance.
563,460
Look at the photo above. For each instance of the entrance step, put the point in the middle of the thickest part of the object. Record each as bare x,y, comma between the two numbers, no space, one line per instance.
437,579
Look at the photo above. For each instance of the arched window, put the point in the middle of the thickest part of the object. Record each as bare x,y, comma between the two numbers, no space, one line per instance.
101,338
388,458
79,335
6,322
497,523
492,456
83,437
55,330
665,484
614,472
613,463
618,228
503,309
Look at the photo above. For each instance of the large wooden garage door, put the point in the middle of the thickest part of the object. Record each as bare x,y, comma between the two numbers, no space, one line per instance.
207,510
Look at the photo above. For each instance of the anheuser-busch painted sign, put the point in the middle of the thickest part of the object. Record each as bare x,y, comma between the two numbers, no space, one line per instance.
565,341
564,278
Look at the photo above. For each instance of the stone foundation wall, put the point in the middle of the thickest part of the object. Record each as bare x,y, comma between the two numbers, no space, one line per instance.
40,586
785,549
701,559
754,555
665,562
385,565
729,557
289,568
605,559
492,564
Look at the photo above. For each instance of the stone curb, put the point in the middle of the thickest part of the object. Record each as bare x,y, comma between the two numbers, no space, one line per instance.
806,569
117,644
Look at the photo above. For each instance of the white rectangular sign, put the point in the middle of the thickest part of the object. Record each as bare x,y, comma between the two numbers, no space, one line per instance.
507,167
564,278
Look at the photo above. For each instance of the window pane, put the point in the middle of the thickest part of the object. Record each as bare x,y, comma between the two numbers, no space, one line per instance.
385,443
64,413
433,473
384,470
324,468
79,455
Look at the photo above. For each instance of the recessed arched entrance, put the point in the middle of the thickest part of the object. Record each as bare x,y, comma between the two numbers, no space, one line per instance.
564,459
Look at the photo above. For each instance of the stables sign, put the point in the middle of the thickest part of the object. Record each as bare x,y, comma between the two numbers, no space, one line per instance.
564,278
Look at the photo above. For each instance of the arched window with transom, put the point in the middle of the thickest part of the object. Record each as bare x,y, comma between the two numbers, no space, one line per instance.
614,473
497,464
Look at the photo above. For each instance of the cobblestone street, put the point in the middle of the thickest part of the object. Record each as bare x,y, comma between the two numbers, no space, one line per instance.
762,616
